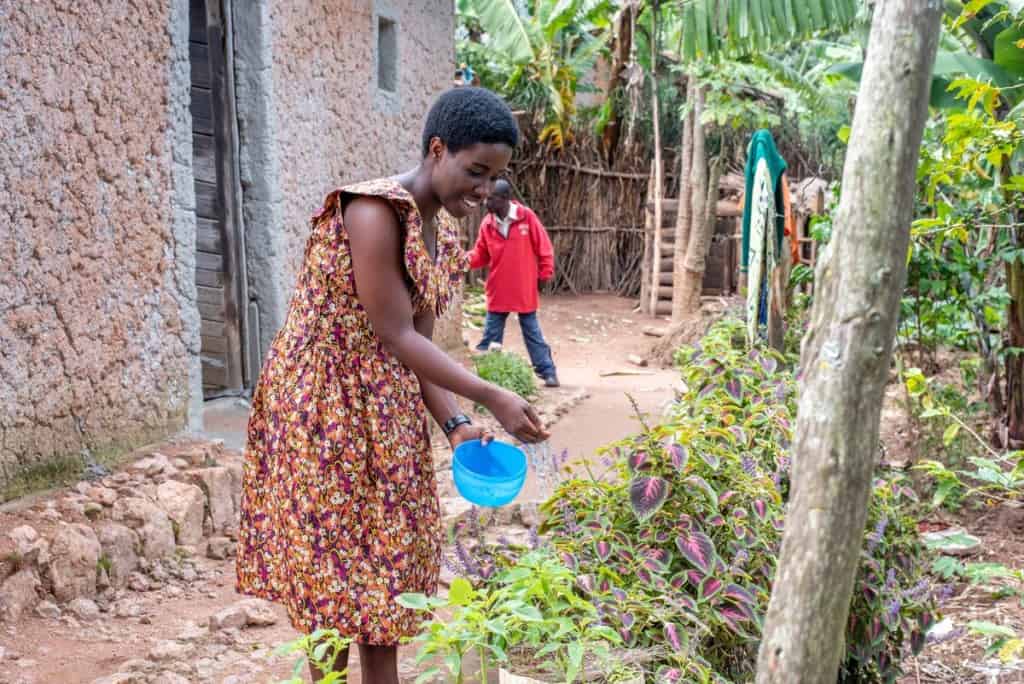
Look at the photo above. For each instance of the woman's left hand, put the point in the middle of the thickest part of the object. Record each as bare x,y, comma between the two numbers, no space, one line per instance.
465,433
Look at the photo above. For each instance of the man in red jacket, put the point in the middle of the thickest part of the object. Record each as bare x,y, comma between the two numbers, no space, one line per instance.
514,245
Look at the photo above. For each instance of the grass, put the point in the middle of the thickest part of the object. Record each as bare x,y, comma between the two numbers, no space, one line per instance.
507,370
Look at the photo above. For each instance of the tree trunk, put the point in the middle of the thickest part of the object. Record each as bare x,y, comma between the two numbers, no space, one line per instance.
620,57
688,280
683,206
1015,362
847,352
646,279
658,169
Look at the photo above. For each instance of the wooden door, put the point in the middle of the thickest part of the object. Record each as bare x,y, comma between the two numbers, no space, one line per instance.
220,282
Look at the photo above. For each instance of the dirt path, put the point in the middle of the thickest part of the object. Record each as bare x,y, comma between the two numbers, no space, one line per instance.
163,634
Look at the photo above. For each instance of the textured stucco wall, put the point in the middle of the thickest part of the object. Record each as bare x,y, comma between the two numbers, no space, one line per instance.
98,329
312,116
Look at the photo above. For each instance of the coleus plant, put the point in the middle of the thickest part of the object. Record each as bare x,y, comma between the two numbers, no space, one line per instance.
679,550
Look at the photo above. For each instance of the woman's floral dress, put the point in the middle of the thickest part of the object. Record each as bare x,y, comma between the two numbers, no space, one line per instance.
339,508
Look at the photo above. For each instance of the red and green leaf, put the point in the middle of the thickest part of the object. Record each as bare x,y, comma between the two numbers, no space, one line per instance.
706,489
760,509
709,588
638,461
603,550
673,637
697,548
739,594
678,455
647,495
711,459
734,388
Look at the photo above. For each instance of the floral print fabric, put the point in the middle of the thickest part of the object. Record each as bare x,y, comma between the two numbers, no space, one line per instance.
339,508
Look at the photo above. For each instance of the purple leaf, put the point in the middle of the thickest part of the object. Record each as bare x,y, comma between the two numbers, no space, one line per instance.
715,521
740,513
709,588
740,434
678,455
724,498
627,635
668,675
606,586
779,524
647,495
569,561
603,549
687,603
695,578
739,594
916,641
644,575
769,364
678,580
732,617
627,620
698,548
761,509
735,390
638,461
626,554
586,583
672,637
706,390
656,560
663,536
711,459
619,594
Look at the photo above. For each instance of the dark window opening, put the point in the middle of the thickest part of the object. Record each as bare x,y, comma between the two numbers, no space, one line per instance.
387,55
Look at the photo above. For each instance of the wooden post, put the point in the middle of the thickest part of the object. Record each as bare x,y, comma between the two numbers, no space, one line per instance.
658,173
646,279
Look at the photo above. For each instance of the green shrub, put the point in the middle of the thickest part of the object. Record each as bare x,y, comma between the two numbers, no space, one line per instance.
678,549
507,370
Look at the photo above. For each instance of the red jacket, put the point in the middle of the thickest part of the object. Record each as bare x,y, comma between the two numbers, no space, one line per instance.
516,262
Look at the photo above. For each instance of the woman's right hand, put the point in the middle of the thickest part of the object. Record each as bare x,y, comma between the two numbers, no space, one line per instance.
517,416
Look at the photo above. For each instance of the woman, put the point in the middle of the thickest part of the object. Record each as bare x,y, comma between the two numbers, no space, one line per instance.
339,509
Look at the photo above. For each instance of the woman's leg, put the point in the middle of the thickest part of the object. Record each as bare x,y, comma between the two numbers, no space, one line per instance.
378,664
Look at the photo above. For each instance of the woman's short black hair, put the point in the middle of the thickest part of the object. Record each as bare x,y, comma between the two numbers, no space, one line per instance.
465,116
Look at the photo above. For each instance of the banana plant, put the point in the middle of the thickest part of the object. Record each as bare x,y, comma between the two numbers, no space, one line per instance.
712,29
541,50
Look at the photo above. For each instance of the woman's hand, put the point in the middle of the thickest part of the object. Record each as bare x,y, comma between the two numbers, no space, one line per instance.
465,433
517,416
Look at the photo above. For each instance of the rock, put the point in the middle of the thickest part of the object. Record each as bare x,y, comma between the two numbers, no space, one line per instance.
222,500
154,464
192,632
27,663
48,610
529,514
232,617
181,464
952,542
454,509
151,523
139,582
220,548
84,609
121,678
189,574
258,613
136,665
104,496
166,651
92,510
30,547
74,555
18,594
128,609
168,677
118,545
184,504
120,478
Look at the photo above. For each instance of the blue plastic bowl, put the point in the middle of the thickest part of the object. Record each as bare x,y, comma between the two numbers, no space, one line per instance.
489,475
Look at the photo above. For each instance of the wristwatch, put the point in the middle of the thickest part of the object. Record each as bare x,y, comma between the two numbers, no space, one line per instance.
454,422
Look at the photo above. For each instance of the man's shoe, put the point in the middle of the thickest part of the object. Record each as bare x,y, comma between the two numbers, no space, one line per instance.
551,381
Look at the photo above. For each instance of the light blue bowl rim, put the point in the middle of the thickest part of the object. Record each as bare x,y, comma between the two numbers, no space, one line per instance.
490,478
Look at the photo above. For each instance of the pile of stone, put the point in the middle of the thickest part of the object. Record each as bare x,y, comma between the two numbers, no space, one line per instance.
135,529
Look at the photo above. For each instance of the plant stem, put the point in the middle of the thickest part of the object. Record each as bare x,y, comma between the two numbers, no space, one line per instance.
483,665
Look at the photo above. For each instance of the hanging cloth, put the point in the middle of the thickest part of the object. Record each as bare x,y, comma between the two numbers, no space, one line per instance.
762,148
759,205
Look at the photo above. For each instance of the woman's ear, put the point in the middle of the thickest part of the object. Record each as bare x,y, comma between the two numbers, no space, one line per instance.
436,148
